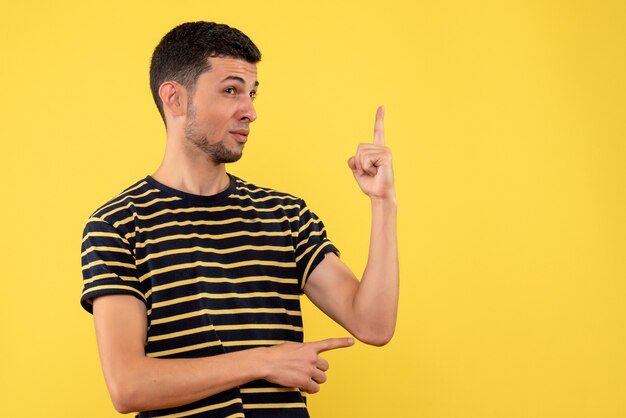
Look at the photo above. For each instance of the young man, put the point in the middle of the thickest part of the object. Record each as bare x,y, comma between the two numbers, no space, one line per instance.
194,275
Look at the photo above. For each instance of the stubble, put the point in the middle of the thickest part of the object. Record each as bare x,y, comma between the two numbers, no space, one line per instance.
218,152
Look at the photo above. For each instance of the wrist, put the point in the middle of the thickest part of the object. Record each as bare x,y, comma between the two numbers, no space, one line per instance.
387,201
261,365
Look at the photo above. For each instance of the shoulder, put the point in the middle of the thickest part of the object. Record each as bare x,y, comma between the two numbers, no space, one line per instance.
128,196
255,193
122,208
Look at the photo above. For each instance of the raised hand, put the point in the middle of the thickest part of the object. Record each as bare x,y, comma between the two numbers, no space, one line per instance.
299,364
371,165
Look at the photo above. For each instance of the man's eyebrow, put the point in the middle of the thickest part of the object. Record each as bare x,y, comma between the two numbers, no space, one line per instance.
240,79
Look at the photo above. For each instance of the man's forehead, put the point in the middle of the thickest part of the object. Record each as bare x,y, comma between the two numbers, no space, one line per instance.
230,68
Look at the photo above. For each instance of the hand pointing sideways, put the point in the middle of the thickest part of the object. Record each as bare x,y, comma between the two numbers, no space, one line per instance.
299,365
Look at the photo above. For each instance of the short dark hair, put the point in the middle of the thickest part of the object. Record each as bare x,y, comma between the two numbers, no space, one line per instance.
183,54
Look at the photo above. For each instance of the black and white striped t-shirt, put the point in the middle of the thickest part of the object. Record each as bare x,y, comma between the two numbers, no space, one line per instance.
217,273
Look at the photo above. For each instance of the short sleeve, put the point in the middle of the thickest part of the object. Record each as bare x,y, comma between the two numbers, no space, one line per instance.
312,243
108,264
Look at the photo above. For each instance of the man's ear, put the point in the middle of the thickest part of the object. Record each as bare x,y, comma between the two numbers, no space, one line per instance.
174,98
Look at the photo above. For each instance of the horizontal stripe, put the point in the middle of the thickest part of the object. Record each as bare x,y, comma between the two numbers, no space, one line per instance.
108,249
273,405
243,343
108,264
215,280
301,256
94,234
216,265
227,221
242,185
180,333
126,195
223,328
308,224
101,277
224,296
268,390
110,276
214,236
312,234
216,222
231,250
262,199
204,409
259,311
139,205
248,279
184,349
201,209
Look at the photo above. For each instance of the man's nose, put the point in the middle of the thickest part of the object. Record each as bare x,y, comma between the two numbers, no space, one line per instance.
247,112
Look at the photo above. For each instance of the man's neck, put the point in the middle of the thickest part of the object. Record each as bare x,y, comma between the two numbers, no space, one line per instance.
192,172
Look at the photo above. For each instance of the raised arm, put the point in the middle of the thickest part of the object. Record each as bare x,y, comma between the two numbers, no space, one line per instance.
138,383
366,308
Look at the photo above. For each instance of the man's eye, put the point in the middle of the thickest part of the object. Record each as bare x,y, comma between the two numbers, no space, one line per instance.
253,95
229,90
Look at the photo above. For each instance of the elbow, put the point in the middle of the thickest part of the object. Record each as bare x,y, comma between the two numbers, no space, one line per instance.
121,402
121,407
377,338
123,396
377,332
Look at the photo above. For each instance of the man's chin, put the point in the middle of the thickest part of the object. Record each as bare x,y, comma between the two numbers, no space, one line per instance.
220,154
226,157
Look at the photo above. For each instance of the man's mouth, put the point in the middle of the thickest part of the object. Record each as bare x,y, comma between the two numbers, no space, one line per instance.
241,135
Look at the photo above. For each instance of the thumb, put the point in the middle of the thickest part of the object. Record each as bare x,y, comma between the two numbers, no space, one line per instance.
352,163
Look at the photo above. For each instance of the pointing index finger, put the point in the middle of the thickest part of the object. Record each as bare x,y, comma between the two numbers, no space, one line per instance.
379,128
332,343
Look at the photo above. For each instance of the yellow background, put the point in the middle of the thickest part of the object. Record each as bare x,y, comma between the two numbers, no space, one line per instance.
507,123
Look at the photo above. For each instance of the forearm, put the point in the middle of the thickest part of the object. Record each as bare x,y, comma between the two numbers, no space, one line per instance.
145,383
139,383
376,299
366,308
160,383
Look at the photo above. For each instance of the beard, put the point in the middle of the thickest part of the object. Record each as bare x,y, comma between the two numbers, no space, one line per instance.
218,152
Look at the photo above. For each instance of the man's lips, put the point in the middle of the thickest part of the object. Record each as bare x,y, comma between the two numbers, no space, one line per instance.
241,134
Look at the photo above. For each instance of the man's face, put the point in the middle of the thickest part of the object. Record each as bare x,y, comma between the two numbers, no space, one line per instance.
220,111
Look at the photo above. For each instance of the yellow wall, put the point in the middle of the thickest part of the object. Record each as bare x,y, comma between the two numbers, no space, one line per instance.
507,122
